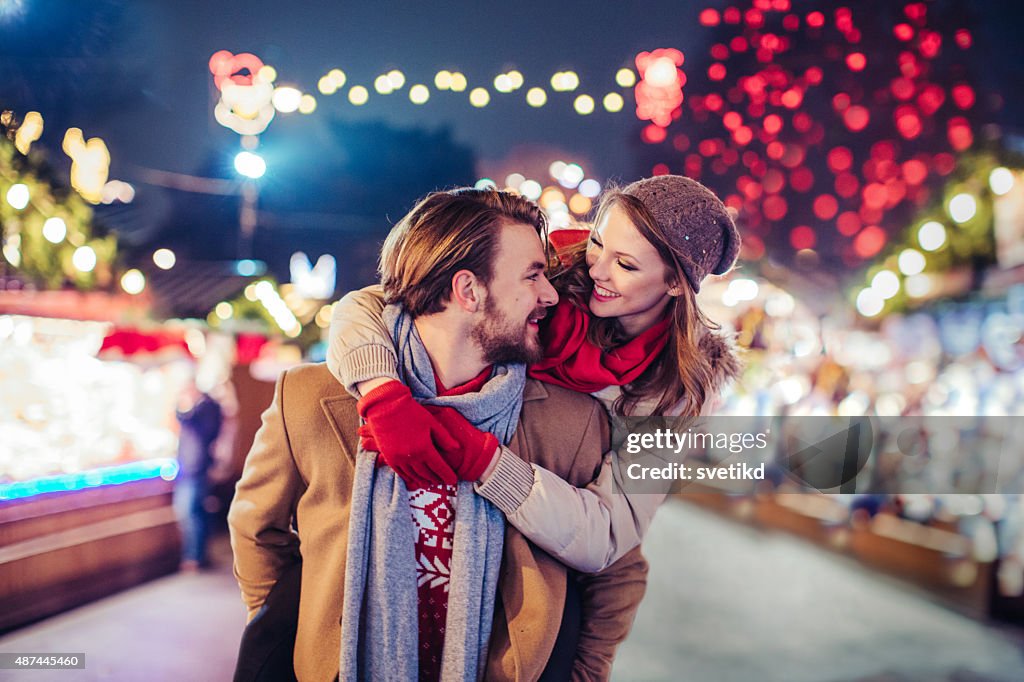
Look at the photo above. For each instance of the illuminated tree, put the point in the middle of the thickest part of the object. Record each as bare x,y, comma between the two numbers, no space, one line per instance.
826,125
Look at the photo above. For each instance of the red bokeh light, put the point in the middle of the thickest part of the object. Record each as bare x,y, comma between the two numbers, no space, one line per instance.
802,237
791,22
847,185
916,11
856,61
915,171
731,15
772,124
930,99
793,156
802,122
869,242
774,207
716,71
743,135
908,123
792,98
963,95
959,132
681,142
653,134
825,206
732,120
841,102
713,102
902,88
856,118
903,32
738,44
875,195
753,247
775,150
813,75
848,223
719,52
773,181
963,38
931,43
815,19
709,17
801,179
660,169
944,163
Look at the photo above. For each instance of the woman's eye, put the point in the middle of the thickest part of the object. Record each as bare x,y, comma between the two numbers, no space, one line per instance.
593,240
625,266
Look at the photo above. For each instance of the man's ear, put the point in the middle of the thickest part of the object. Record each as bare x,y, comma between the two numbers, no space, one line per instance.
467,291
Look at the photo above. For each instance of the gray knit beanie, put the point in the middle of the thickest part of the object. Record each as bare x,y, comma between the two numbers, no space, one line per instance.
699,228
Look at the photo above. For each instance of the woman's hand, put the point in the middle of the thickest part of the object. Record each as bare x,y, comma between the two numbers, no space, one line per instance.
476,448
407,436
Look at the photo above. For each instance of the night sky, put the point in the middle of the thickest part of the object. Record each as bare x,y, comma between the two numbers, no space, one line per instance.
135,74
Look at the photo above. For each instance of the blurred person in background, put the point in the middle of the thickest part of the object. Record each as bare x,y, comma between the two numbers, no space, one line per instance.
200,419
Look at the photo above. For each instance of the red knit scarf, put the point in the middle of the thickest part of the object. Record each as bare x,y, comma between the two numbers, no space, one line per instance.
570,360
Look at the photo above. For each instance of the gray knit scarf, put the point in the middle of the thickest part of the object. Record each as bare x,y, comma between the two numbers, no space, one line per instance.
379,627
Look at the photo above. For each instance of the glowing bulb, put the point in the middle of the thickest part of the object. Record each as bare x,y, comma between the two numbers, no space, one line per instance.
382,84
485,183
133,282
931,236
55,229
919,286
266,74
1001,181
869,302
224,310
418,94
358,95
571,175
516,79
613,102
397,79
326,85
17,196
84,259
584,105
307,105
661,73
250,165
459,82
514,180
338,77
164,259
886,283
479,97
536,97
590,188
443,80
911,262
625,78
530,189
286,99
502,83
962,208
556,169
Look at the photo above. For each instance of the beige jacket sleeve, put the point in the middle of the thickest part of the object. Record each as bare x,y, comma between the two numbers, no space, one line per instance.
588,529
359,345
260,518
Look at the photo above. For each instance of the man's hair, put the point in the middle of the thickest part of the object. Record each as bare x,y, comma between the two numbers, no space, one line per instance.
444,233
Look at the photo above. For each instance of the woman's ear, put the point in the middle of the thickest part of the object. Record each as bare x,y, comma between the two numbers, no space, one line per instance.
467,291
675,290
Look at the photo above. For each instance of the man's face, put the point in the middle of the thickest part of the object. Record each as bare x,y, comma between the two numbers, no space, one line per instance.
517,298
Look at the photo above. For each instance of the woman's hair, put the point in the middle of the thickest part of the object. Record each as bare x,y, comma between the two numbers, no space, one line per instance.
681,372
444,233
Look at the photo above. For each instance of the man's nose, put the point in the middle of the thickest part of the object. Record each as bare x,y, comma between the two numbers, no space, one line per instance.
547,294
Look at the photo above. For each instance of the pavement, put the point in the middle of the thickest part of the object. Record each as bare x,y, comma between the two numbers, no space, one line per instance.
725,602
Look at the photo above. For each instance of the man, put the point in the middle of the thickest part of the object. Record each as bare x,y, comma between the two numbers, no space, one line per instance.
466,270
199,416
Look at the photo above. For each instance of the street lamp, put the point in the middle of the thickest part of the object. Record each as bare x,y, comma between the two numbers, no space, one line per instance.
251,166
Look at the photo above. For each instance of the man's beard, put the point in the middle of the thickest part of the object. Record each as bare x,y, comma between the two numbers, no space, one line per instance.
504,341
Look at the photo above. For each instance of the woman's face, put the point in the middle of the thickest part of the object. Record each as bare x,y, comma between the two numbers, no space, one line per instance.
629,275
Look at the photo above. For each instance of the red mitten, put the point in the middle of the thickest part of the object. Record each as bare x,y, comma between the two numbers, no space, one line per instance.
407,436
476,447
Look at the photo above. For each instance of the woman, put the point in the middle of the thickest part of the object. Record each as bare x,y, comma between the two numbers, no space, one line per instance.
627,330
